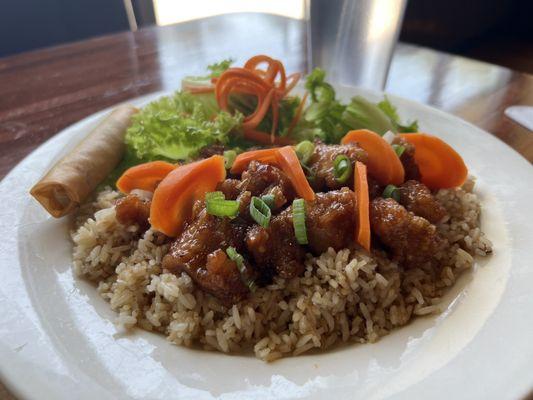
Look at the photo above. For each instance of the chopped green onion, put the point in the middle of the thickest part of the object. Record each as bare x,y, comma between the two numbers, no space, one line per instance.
342,168
399,149
298,220
239,261
304,151
392,192
229,158
260,211
222,208
218,195
270,200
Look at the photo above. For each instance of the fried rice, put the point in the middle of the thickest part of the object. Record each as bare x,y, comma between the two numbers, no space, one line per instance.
344,296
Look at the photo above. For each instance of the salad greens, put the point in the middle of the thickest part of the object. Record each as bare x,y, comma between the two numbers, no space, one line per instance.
328,119
177,127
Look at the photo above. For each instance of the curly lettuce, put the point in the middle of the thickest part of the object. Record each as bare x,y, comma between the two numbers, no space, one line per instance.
178,126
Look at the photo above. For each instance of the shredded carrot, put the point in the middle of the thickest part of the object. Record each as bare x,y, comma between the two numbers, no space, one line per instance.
362,232
144,176
439,164
265,138
383,163
174,197
290,164
198,89
268,85
298,114
266,156
293,80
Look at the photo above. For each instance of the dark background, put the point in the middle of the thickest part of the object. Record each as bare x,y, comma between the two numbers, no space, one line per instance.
497,31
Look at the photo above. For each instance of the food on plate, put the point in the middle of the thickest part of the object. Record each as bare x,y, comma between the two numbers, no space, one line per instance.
246,216
76,175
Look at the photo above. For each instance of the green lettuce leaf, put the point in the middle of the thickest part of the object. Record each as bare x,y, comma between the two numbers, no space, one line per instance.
362,114
388,108
217,69
323,117
328,119
178,126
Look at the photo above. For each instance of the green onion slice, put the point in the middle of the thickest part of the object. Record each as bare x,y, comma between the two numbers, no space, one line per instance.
342,168
260,211
399,149
222,208
391,191
304,151
229,158
239,261
214,196
270,200
298,220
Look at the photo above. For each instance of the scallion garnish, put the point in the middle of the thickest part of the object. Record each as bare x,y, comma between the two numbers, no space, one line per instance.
342,168
270,200
298,220
391,191
229,158
399,149
239,261
304,151
214,195
260,211
216,205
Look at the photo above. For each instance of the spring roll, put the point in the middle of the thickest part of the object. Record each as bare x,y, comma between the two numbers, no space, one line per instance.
76,175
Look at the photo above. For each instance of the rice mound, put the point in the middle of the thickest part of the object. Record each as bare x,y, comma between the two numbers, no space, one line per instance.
342,296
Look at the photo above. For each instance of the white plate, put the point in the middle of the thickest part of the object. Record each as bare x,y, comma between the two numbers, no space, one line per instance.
58,340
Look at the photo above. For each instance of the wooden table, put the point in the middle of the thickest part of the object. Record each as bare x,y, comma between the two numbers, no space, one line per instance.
44,91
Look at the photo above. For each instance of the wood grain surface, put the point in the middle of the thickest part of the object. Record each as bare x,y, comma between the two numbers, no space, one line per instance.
44,91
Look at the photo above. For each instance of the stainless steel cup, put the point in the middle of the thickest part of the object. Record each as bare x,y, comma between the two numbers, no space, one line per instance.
353,40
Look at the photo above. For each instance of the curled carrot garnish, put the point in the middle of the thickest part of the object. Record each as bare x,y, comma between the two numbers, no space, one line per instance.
269,85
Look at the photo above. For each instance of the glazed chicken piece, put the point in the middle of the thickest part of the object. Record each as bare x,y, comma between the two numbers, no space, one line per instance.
330,220
417,198
408,159
200,251
132,209
258,180
374,189
211,150
275,249
412,240
321,163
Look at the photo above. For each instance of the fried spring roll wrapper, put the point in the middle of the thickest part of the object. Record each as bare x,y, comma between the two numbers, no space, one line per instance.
76,175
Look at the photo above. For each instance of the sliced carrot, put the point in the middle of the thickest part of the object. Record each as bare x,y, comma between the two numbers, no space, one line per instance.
266,156
174,197
439,164
144,176
362,232
383,163
290,164
282,157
